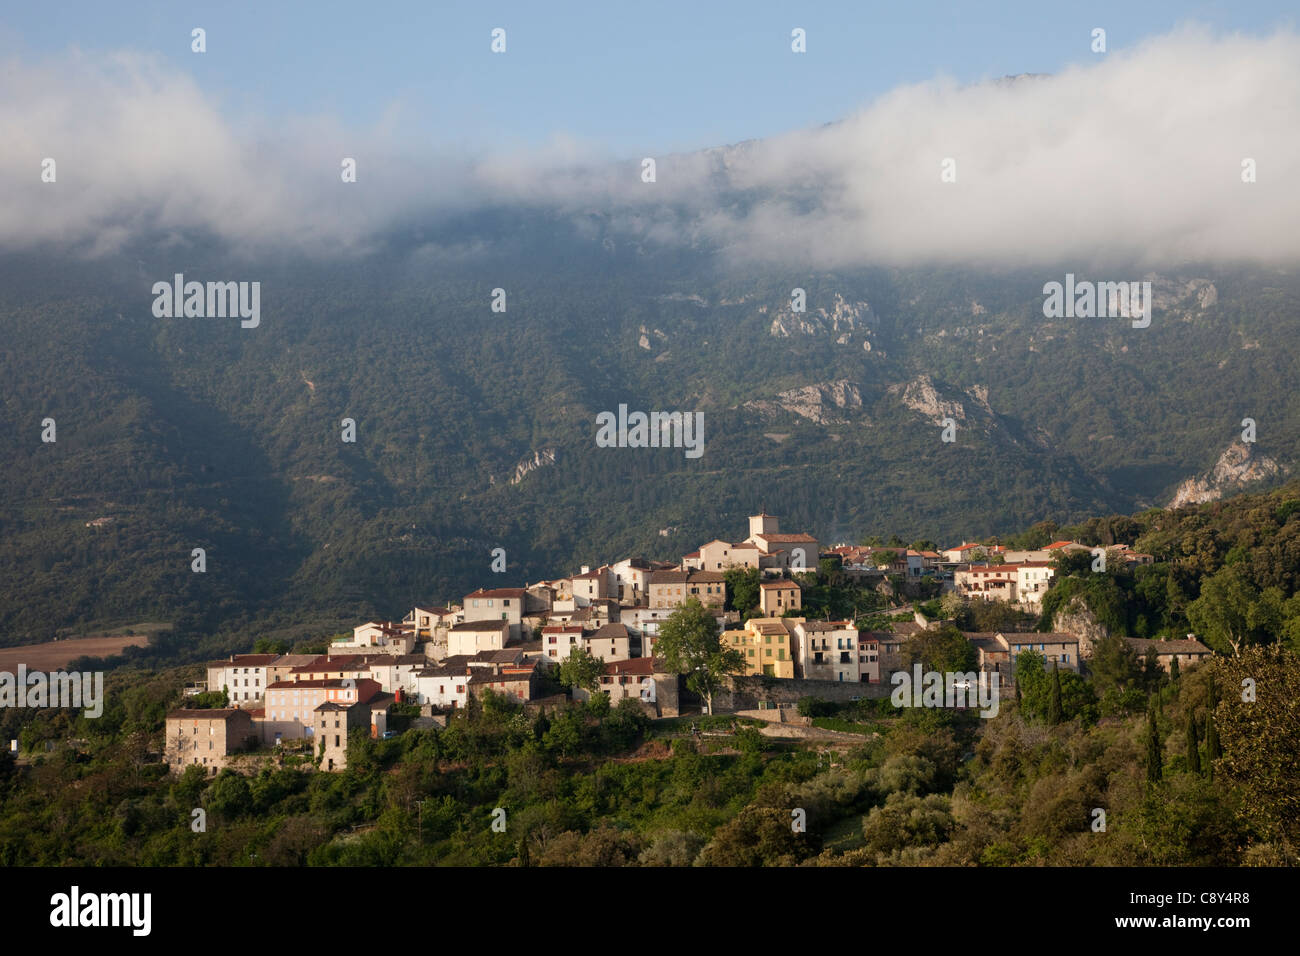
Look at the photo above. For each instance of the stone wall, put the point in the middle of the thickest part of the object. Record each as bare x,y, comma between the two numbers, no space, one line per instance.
668,695
746,693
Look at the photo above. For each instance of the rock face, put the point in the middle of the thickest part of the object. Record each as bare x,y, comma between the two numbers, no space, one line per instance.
842,321
1185,296
1076,620
645,333
920,396
1238,466
817,403
539,459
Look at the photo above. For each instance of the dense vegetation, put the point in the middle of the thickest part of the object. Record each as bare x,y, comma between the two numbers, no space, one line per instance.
1194,768
1201,778
1229,571
196,433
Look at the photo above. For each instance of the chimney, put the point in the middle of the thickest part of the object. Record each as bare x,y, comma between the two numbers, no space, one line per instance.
586,569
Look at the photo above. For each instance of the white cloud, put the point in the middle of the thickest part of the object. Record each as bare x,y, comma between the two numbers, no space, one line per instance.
1135,159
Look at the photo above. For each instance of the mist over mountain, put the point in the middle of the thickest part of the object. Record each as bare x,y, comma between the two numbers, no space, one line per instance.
1136,158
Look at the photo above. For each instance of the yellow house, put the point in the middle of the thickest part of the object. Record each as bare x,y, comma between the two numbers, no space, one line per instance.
777,597
766,644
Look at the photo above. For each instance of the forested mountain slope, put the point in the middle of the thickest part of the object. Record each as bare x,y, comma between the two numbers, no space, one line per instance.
196,432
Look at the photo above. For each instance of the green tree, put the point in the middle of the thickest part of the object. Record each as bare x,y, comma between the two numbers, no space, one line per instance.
1114,664
1193,745
1212,749
1155,749
742,588
688,644
1232,613
581,670
1031,683
1054,698
229,795
952,605
1257,725
758,836
943,649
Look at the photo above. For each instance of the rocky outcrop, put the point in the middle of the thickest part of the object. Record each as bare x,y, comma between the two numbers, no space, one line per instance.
823,404
1238,466
921,396
644,340
1076,620
539,459
1185,296
843,321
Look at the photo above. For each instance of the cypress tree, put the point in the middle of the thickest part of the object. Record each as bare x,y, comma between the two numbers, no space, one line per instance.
1054,714
1155,761
1212,749
1174,671
1193,745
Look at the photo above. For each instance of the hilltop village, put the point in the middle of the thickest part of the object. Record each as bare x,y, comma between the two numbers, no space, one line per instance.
512,640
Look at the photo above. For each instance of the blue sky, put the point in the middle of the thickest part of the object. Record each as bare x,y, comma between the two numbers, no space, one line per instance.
622,78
